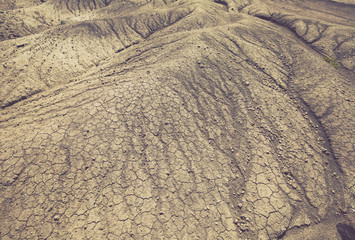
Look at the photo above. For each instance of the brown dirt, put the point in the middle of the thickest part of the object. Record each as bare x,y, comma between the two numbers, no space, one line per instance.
188,119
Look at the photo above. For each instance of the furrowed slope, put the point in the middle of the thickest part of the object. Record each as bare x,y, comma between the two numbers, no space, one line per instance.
178,120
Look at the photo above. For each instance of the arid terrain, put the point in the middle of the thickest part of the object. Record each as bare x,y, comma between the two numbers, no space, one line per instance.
187,119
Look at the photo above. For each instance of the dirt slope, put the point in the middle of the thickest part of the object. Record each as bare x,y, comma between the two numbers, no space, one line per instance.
188,119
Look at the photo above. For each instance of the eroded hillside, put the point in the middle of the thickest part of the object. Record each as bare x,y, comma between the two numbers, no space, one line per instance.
188,119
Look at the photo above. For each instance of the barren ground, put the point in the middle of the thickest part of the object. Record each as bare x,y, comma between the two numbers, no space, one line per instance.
188,119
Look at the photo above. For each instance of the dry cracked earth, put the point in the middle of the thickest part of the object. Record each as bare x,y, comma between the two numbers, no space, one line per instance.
188,119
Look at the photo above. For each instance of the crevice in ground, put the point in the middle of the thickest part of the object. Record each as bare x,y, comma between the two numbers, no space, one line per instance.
22,98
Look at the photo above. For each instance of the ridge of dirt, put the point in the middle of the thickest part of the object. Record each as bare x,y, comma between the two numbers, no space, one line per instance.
189,119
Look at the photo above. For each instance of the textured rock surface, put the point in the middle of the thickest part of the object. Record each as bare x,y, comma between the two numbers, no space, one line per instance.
188,119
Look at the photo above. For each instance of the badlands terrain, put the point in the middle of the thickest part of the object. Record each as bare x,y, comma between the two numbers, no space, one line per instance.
187,119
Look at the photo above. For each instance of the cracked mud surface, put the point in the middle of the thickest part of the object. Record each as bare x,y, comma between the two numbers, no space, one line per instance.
186,119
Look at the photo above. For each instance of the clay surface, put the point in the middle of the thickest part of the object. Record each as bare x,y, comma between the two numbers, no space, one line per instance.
188,119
